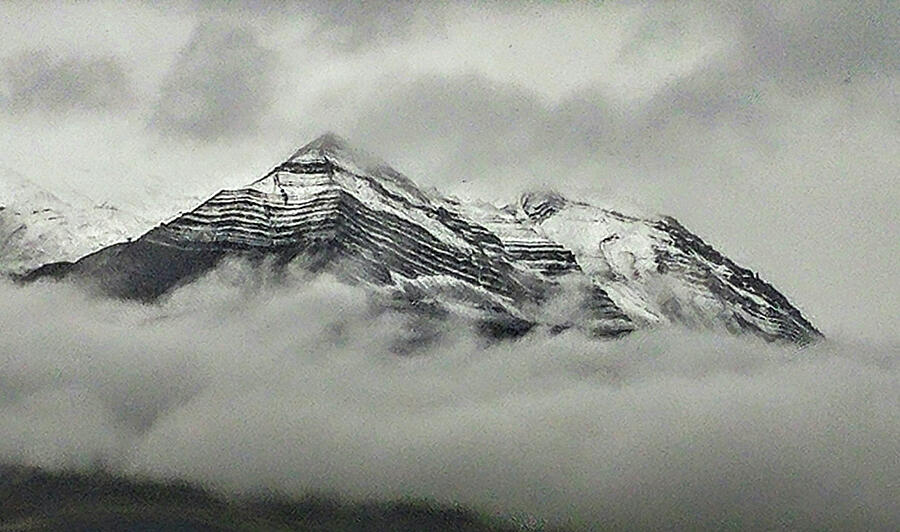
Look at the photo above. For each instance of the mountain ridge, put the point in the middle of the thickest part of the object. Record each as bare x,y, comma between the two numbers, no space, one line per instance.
334,208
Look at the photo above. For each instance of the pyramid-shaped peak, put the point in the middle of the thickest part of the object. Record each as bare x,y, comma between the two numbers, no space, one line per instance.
329,145
337,152
327,141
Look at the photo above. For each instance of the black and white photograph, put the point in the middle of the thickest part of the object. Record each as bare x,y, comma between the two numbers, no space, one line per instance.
390,265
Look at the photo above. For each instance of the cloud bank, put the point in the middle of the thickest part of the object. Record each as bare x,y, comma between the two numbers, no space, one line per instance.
245,384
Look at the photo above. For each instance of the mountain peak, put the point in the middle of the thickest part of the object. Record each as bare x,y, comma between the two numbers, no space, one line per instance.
336,149
333,208
326,142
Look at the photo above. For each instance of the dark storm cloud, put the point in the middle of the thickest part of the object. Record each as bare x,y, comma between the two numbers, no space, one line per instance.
499,136
38,81
220,86
802,44
249,385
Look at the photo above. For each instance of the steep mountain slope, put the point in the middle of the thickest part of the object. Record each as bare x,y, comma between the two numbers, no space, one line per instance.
37,227
546,261
658,271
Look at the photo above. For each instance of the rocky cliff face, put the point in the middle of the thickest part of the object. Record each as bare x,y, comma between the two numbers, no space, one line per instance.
546,261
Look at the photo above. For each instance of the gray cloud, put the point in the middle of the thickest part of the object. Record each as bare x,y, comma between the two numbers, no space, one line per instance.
471,121
797,50
220,86
780,148
345,26
36,80
808,43
355,26
502,137
247,385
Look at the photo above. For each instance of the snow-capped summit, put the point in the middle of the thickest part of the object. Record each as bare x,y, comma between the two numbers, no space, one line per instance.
331,149
545,261
330,144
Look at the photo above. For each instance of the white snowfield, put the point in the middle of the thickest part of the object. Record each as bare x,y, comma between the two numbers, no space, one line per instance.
37,227
641,270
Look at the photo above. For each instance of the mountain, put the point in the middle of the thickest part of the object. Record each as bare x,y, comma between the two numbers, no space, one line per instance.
658,271
37,227
546,261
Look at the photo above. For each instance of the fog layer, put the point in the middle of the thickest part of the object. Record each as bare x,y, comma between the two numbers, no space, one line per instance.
245,385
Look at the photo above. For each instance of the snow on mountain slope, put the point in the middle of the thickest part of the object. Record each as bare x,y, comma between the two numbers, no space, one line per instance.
546,261
657,271
329,208
37,227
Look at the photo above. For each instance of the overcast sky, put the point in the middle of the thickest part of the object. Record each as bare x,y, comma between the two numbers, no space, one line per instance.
770,129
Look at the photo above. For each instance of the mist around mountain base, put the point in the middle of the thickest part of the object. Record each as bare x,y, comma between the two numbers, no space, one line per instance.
245,384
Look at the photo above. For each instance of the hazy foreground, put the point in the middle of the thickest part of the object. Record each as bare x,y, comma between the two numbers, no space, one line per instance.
248,387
